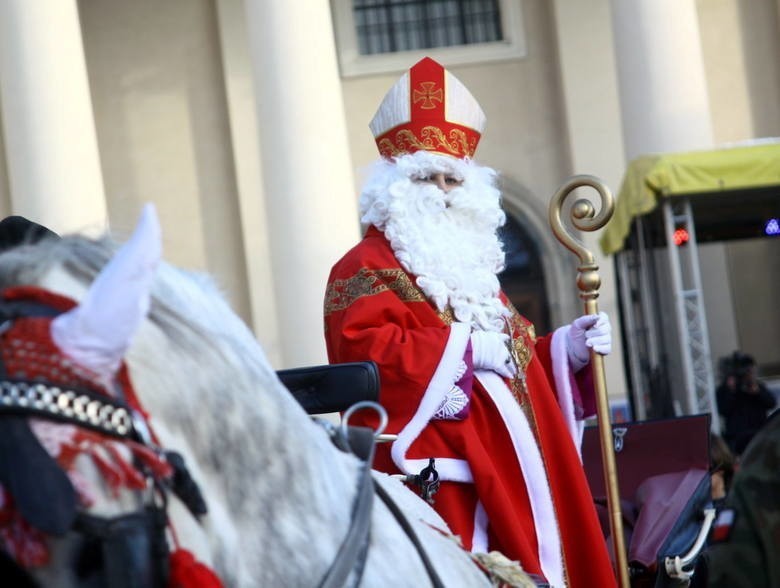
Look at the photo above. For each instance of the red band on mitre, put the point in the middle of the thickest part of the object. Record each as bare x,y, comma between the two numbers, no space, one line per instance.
431,125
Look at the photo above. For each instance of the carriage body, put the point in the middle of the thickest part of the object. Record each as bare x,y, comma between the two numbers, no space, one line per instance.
664,483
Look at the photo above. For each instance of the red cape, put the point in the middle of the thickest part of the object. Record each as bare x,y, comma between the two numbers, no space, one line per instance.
511,475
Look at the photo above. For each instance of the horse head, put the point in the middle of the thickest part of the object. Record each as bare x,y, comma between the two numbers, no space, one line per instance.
122,325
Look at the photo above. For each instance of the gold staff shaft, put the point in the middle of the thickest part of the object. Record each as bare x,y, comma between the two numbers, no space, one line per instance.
584,218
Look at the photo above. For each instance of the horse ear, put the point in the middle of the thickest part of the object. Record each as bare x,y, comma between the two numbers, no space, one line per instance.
97,332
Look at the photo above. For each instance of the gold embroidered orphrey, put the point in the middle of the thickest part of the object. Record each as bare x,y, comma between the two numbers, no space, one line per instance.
343,293
523,336
431,138
427,95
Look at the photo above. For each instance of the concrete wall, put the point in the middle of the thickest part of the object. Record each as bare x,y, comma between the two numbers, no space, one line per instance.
754,267
741,47
718,295
160,110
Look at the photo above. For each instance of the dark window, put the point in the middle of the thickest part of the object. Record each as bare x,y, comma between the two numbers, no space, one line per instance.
523,278
388,26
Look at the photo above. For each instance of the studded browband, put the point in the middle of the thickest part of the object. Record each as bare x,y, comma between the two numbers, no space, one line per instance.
66,404
78,407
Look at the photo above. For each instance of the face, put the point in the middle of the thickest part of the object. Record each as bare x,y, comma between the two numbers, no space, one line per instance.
718,485
444,181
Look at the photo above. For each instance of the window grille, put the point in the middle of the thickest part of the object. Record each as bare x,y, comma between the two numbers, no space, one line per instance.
389,26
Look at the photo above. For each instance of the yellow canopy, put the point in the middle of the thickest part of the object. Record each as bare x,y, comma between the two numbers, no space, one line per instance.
652,177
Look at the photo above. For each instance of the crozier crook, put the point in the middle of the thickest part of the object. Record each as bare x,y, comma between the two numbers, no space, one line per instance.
98,331
584,218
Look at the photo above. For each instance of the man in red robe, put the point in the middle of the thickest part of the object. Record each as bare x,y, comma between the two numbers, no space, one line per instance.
463,376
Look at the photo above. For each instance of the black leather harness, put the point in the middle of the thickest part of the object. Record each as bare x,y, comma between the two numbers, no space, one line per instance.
353,551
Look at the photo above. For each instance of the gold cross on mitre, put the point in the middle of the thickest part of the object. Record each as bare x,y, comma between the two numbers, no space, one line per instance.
427,95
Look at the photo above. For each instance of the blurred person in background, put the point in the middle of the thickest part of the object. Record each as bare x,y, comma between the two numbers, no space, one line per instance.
743,401
722,467
745,540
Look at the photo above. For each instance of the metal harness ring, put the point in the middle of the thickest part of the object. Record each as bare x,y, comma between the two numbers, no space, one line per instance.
378,408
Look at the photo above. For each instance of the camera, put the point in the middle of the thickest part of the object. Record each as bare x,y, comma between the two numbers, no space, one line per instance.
738,365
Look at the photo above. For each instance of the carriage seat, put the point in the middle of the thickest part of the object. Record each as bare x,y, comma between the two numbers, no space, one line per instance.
332,388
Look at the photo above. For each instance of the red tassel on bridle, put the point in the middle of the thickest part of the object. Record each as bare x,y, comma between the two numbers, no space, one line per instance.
187,572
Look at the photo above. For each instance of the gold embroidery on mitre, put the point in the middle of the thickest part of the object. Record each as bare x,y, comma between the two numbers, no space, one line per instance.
428,95
341,294
431,138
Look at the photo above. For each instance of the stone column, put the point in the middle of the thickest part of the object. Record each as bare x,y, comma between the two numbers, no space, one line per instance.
307,173
590,98
50,139
663,90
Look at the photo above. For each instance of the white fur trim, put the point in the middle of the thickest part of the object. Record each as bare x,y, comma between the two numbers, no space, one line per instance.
562,373
455,470
479,540
530,459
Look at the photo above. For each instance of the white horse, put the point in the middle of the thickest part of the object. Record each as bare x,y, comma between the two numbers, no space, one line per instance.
280,495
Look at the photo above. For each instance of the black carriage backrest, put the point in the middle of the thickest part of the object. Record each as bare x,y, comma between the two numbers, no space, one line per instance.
332,388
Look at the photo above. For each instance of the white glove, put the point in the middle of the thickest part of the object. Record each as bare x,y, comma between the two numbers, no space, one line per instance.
591,331
489,351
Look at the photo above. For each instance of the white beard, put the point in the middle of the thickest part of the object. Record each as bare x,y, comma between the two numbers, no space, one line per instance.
448,241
